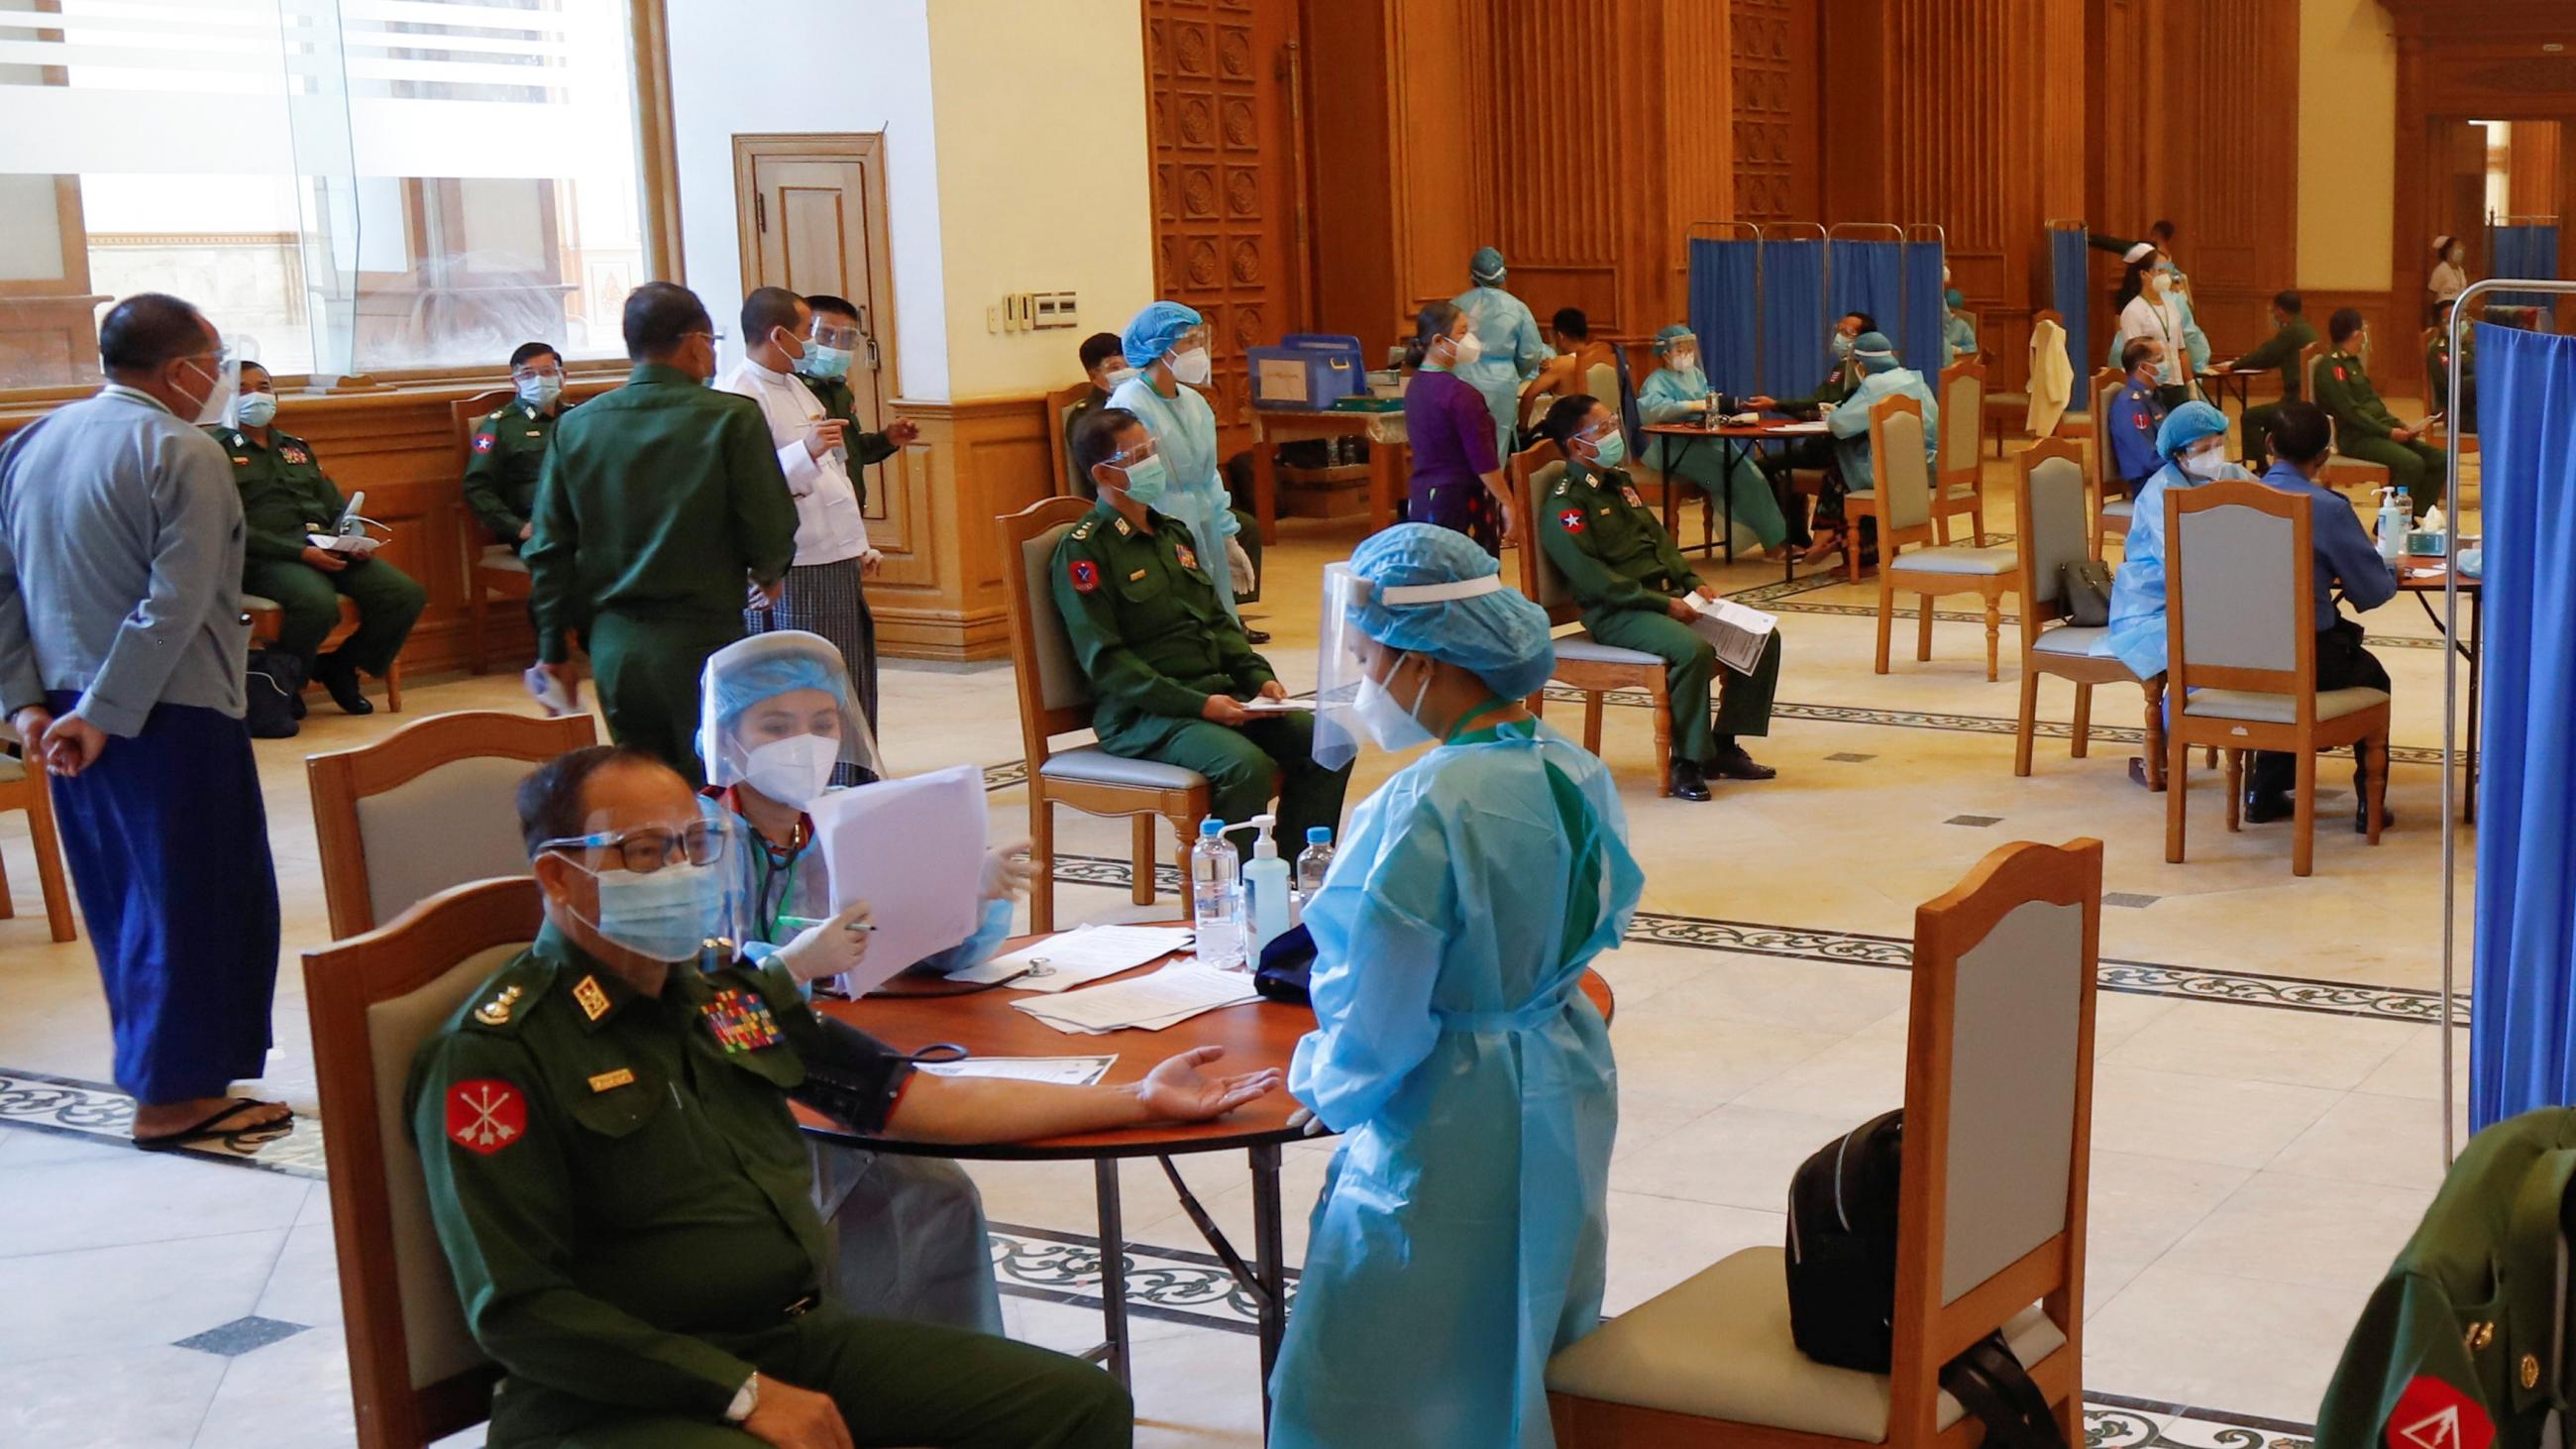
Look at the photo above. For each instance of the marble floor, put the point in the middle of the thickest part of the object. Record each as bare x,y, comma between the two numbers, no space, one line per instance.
2268,1077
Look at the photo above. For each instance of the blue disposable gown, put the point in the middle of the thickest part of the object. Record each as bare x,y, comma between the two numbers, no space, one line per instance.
1513,351
1184,429
1956,337
909,1230
1849,423
1462,1233
2137,633
1664,398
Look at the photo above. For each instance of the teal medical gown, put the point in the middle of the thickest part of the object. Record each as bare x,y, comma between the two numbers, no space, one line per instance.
1956,337
1462,1233
2137,634
1849,423
909,1231
1664,398
1184,429
1513,351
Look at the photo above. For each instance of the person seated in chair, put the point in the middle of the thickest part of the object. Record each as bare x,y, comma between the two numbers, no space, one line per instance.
623,1195
781,724
2437,367
1636,589
1882,375
508,450
1104,366
2364,429
1169,665
1570,370
1809,454
286,498
1958,334
1678,392
2136,414
2343,558
2279,353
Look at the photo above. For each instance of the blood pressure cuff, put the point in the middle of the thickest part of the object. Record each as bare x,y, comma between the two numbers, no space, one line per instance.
850,1076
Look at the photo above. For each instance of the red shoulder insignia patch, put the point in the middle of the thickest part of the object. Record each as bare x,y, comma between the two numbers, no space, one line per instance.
2140,419
485,1114
2339,374
2430,1414
1571,520
483,442
1085,575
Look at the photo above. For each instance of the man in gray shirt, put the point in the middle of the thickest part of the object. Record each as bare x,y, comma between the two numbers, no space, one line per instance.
122,645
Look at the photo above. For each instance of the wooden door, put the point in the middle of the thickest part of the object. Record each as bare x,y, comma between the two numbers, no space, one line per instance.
1778,53
1219,76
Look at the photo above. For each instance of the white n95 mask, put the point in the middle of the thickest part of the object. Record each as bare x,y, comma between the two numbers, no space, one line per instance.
1469,348
2205,465
1389,723
1193,367
793,771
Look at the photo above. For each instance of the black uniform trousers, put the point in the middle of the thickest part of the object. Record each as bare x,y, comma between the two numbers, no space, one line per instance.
2341,664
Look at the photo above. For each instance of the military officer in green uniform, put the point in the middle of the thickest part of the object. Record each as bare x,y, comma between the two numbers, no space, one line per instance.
1168,664
2437,367
2459,1345
286,498
2365,429
2290,335
831,342
624,1198
1812,453
1635,586
509,446
661,508
1104,364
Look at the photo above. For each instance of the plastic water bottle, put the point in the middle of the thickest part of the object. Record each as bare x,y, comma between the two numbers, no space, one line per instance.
1216,896
1314,862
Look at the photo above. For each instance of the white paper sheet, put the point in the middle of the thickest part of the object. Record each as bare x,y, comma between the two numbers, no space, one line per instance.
1740,632
1074,958
1168,997
1274,706
914,850
1061,1071
1801,430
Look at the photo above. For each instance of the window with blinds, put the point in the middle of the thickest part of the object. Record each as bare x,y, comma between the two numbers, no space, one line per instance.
345,186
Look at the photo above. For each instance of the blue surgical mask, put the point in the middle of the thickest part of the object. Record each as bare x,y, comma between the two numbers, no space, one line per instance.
663,915
1146,479
824,362
1613,449
256,409
1843,343
539,390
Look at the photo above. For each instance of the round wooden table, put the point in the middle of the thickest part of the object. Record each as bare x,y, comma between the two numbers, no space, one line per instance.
912,1013
1734,441
2425,575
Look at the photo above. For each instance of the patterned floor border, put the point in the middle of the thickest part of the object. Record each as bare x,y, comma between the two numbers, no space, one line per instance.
70,1107
2413,1005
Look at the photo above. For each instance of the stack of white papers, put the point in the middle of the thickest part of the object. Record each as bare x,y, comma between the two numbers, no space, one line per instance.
1802,430
1274,706
1148,1003
1071,958
1739,633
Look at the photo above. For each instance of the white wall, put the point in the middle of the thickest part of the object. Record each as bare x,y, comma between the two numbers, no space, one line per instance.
2347,145
812,66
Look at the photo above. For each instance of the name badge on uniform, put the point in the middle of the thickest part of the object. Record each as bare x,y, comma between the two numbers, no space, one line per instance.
741,1022
1138,574
609,1081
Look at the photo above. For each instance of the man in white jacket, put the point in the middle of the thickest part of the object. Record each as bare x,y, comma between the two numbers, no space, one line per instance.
823,593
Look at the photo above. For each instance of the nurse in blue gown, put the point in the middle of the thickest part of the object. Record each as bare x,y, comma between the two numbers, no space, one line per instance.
1462,1233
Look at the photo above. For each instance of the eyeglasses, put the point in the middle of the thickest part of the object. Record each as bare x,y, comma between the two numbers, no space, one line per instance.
648,849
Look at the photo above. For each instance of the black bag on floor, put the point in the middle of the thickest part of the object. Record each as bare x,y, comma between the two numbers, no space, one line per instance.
1842,1285
269,689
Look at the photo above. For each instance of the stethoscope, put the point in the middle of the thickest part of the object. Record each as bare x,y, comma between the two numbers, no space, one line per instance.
939,1053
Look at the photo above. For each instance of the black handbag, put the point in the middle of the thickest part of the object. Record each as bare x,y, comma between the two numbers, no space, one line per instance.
2085,586
269,689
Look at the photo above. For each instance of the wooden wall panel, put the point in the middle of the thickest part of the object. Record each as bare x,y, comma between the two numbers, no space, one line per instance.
1773,110
1698,136
1561,131
978,459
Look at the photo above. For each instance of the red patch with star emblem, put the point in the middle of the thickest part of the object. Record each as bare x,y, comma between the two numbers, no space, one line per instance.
486,1114
483,442
2431,1414
1572,520
1085,575
295,455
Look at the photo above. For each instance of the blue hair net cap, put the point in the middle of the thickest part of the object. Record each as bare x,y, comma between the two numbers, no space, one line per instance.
1486,266
1875,352
1501,637
1154,331
1677,332
1953,296
2189,424
739,689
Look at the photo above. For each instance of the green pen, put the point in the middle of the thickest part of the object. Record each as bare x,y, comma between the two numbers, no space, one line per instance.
807,923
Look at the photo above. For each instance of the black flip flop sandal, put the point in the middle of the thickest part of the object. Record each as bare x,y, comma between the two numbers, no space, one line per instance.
205,1129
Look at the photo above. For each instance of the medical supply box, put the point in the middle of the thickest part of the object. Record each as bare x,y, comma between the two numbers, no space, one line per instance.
1310,370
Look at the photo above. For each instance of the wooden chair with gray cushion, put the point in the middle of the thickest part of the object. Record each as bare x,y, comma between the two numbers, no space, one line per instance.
1990,1210
1959,482
1583,663
23,787
1059,466
2048,519
2107,504
1055,699
2241,645
432,805
415,1373
1902,503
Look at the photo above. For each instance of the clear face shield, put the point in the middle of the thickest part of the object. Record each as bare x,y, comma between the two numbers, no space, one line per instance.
649,871
1365,687
778,716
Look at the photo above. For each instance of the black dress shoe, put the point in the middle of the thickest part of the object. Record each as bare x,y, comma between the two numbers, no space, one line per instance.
2361,819
1255,636
2138,773
1689,782
2262,808
340,678
1734,764
295,703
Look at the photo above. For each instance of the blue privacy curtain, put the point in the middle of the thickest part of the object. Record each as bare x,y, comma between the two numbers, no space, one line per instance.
1918,338
2070,292
1726,311
2522,250
1869,276
2522,1040
1794,321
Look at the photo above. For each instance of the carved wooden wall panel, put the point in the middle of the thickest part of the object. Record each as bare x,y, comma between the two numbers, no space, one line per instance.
1562,109
1773,109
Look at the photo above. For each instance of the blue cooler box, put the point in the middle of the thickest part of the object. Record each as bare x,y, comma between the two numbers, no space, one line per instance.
1311,370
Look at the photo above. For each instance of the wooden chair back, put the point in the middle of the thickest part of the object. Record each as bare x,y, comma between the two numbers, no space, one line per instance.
1998,1120
2107,384
427,807
2309,356
1899,463
1962,391
1533,473
2048,529
415,1373
2240,615
1060,466
1055,695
